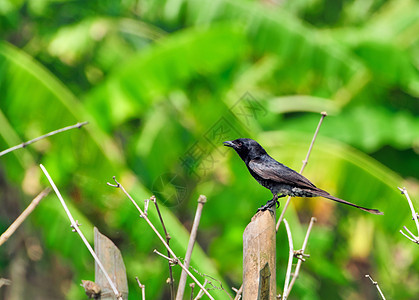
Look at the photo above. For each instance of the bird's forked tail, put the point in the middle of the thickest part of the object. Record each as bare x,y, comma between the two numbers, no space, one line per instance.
328,196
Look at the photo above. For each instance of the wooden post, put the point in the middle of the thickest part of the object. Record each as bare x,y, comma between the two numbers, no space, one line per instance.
111,258
259,257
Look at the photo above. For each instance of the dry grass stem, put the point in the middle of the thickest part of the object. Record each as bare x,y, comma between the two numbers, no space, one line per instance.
201,293
167,236
211,282
238,293
192,286
305,161
142,287
146,203
182,281
412,237
377,286
118,185
75,226
300,259
172,261
23,145
15,225
413,240
290,258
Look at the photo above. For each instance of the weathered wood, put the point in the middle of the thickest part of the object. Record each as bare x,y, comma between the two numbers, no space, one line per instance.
259,257
111,258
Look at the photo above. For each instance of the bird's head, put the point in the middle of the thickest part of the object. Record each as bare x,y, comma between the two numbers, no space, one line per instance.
247,148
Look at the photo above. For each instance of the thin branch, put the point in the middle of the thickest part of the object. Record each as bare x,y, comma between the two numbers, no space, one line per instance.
192,286
413,240
23,145
171,281
118,185
142,287
238,293
290,259
414,215
377,286
75,226
172,261
146,203
15,225
305,161
213,286
411,234
201,292
281,217
300,261
182,281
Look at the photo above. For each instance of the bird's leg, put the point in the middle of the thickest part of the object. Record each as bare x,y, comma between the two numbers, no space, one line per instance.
274,201
268,205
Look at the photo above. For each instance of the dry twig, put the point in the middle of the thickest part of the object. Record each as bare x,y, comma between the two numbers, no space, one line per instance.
238,293
75,226
201,293
171,281
182,281
290,258
192,285
377,286
118,185
211,282
15,225
412,237
172,261
23,145
142,287
305,161
300,255
146,203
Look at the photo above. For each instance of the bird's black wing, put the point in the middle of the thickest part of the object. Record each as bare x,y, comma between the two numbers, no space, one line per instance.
270,169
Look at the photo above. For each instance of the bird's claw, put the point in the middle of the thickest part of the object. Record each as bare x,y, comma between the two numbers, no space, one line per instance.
269,205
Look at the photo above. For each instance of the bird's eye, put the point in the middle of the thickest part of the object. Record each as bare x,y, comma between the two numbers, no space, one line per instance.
239,144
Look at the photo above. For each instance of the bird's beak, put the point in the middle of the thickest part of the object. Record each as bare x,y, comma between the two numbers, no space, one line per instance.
229,144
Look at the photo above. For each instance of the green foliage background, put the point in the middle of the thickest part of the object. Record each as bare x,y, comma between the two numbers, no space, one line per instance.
162,84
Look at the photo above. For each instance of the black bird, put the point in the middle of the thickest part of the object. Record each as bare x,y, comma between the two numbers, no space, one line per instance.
278,178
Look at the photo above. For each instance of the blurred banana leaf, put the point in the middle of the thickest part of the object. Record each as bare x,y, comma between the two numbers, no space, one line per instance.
80,164
163,83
